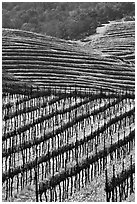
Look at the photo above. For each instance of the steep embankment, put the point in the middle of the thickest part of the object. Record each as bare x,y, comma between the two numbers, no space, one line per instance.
106,61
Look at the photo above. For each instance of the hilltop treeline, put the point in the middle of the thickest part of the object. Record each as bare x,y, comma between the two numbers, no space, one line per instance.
67,20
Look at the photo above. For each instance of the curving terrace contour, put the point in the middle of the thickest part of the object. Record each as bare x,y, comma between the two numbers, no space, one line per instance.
106,62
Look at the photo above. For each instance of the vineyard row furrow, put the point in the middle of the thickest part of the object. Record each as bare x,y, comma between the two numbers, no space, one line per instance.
106,92
64,127
65,82
46,145
19,101
80,81
63,69
37,140
23,54
120,178
69,146
64,61
128,76
35,53
29,109
69,77
84,163
39,53
100,154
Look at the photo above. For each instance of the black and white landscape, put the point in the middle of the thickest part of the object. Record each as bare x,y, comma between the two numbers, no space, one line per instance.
68,101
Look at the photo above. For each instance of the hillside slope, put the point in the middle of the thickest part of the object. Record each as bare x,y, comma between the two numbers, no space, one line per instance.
106,61
115,39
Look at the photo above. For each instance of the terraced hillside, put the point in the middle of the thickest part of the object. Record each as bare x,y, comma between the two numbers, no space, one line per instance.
115,39
68,117
46,61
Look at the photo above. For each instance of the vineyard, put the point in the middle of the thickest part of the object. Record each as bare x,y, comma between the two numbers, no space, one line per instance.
68,116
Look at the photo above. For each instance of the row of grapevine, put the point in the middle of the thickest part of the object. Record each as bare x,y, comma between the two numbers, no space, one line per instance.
67,64
90,129
68,114
121,185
